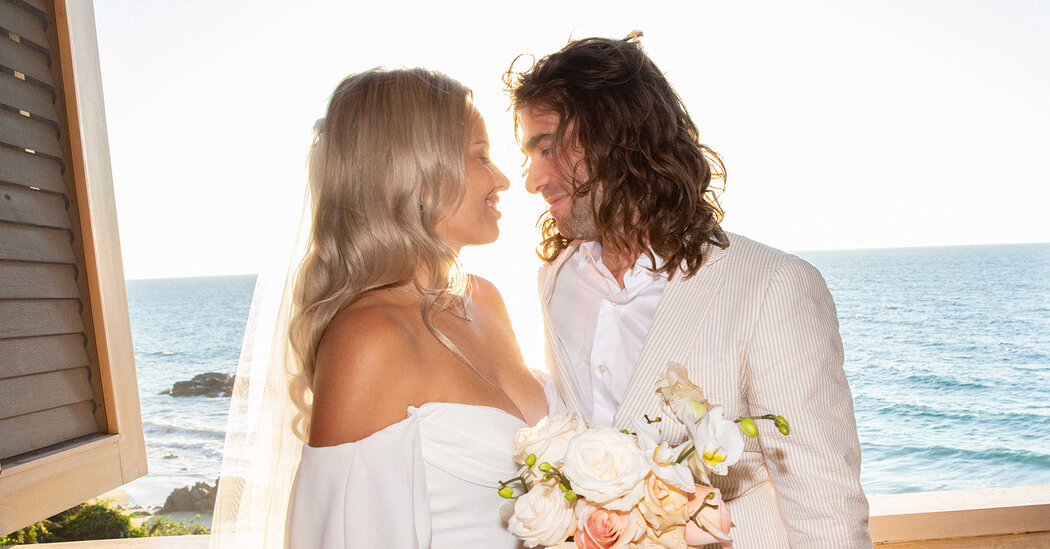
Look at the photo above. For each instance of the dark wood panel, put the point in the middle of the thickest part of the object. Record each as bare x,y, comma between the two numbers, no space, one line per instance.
22,205
19,242
22,434
19,280
27,96
25,59
34,355
27,318
31,170
22,131
34,393
43,6
22,22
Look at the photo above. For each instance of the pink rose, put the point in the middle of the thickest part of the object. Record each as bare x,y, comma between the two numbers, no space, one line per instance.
599,528
712,523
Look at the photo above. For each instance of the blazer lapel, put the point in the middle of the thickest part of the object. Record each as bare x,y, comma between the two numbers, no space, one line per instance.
680,313
555,357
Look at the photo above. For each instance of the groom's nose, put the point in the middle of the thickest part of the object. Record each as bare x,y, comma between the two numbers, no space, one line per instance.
536,177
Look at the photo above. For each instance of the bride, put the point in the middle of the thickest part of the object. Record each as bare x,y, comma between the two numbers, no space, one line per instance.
411,378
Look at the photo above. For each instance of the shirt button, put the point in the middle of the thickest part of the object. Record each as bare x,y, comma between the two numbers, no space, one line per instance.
602,369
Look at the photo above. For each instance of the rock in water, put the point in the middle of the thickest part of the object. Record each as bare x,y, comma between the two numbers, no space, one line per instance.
199,498
211,384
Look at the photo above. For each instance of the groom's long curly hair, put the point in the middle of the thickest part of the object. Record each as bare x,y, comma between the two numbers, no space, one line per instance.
640,149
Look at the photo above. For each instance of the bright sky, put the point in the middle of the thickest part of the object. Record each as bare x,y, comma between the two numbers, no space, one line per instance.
843,123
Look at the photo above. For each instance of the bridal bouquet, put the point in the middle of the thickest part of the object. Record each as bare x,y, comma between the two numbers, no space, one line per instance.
594,487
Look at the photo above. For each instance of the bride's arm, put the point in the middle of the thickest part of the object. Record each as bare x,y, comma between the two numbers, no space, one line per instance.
361,481
361,495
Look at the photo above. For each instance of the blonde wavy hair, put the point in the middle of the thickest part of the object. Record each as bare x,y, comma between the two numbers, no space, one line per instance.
387,163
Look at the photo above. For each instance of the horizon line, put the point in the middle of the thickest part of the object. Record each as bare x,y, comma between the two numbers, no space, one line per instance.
874,248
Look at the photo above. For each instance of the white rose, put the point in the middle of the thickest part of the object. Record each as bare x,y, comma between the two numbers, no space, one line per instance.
542,516
548,438
606,467
718,442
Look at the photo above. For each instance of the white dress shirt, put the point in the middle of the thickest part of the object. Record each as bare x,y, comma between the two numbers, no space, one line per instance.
602,327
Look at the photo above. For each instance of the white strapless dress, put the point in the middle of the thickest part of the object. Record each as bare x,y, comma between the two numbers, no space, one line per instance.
429,480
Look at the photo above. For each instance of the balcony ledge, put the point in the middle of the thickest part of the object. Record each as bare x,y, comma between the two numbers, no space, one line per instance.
1016,517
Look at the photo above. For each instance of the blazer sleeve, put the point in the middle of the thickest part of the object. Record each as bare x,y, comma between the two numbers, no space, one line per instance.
794,369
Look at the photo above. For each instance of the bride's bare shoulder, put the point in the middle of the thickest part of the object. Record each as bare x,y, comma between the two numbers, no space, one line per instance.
366,372
485,294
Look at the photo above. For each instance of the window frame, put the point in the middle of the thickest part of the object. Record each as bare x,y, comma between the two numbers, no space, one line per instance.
37,487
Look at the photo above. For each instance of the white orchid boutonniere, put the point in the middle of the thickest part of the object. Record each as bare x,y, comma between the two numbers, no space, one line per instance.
715,442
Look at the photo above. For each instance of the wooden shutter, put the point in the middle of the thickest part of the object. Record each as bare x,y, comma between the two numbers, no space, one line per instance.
42,293
69,419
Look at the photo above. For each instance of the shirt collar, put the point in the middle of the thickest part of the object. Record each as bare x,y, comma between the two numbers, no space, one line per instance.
638,273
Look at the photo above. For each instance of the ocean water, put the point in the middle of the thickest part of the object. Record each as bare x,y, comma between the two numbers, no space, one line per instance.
947,355
182,327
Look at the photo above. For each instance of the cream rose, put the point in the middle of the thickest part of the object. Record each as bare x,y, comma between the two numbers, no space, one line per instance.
542,516
671,539
548,439
684,398
606,467
663,505
599,528
712,523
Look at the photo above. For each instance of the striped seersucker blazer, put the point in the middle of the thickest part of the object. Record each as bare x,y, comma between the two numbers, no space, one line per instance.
756,329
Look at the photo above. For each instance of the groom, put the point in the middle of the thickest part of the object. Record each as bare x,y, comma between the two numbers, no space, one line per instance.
640,273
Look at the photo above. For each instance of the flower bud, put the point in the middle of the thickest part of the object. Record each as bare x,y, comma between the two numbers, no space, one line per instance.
506,492
530,460
545,466
570,496
782,425
748,427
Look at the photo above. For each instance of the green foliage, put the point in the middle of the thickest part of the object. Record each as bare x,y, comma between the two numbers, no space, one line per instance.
163,526
36,533
97,521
